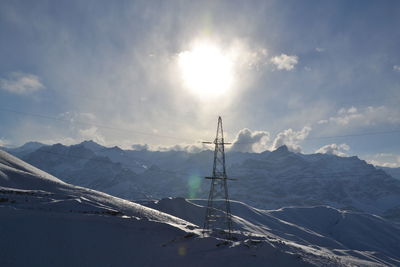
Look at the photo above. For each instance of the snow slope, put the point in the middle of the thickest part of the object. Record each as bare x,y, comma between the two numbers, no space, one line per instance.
323,228
46,222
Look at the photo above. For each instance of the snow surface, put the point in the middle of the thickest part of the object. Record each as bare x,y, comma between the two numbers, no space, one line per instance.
46,222
342,233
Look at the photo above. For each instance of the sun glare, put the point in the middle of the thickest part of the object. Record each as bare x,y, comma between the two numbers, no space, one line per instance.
206,71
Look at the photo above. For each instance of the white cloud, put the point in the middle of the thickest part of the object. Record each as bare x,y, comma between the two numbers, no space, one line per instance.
246,140
396,68
259,141
284,62
81,126
362,117
352,110
191,148
291,139
334,149
319,49
249,141
21,83
254,59
91,133
384,160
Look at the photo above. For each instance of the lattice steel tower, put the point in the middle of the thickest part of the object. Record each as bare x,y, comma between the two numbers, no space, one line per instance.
218,214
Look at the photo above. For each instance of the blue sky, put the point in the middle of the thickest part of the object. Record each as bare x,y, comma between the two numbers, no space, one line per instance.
315,75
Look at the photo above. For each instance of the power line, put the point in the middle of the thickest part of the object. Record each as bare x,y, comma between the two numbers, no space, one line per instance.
353,135
92,124
179,138
105,100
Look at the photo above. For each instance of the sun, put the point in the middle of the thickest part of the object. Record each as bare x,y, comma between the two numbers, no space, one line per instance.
206,70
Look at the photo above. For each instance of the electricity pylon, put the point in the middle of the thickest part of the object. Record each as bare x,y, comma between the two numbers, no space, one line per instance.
218,213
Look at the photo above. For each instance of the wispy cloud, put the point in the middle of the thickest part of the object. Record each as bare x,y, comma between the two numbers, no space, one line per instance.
366,116
284,62
21,83
396,68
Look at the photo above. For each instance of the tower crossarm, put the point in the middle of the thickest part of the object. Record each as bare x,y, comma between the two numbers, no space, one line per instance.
213,143
220,178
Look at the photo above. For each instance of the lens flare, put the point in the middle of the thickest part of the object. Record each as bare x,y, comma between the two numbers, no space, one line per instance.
194,183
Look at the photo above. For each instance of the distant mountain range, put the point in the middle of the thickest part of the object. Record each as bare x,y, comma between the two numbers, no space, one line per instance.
272,179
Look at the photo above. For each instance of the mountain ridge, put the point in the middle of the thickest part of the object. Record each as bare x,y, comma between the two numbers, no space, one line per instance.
266,180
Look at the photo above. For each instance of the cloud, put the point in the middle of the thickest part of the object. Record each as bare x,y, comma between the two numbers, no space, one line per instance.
191,148
81,126
396,68
249,141
362,117
21,83
91,133
319,49
284,62
254,59
334,149
291,139
259,141
385,160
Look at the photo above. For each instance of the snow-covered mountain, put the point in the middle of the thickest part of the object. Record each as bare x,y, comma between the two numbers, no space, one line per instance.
46,222
267,180
283,178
